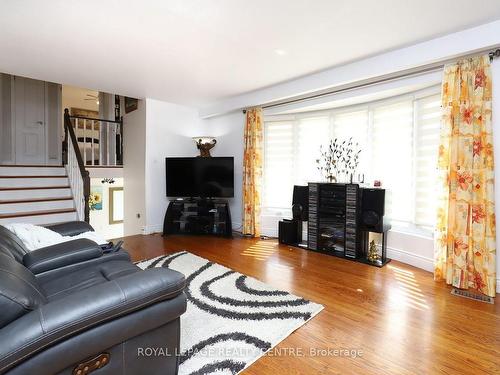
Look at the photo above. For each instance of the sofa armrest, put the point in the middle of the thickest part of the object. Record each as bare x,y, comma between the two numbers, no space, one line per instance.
83,310
72,228
61,255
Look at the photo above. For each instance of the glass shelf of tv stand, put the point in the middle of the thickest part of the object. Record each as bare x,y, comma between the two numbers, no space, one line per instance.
198,216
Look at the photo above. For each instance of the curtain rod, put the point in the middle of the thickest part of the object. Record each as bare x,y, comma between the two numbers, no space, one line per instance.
368,82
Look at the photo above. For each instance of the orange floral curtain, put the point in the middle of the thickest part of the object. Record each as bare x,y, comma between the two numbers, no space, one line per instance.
465,231
252,172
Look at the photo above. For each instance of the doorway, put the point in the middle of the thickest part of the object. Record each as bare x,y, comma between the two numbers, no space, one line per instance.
29,121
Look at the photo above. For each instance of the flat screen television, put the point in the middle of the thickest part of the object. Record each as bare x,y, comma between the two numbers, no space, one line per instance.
200,177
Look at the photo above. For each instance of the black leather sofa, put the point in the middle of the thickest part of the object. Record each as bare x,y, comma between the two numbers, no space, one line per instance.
71,309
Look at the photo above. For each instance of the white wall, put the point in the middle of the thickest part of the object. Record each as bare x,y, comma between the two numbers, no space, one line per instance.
99,219
134,160
229,131
169,128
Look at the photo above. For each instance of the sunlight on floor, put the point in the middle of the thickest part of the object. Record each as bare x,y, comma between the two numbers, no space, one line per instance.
261,250
408,291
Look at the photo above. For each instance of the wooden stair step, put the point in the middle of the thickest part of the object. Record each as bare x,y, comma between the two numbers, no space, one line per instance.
56,176
31,166
19,172
37,213
36,200
35,188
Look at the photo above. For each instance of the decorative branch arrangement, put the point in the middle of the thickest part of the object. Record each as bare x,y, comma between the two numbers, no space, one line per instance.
339,161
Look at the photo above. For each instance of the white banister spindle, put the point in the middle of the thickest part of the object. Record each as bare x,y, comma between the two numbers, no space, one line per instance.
102,135
92,137
108,143
115,131
101,138
99,142
75,180
84,141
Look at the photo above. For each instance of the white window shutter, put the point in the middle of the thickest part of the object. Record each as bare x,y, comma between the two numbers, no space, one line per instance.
399,141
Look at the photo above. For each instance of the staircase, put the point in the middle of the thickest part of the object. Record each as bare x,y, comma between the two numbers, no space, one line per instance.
35,194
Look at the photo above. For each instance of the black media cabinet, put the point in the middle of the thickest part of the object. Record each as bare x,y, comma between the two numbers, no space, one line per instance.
335,226
198,216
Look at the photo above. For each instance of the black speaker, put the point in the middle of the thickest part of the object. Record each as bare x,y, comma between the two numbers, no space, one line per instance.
300,202
290,231
372,210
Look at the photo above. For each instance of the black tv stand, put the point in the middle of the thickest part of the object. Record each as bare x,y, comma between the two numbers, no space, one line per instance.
198,216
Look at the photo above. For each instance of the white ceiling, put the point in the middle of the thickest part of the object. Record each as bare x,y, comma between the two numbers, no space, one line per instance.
196,52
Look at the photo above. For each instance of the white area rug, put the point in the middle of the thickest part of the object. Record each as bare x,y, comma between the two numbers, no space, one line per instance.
231,319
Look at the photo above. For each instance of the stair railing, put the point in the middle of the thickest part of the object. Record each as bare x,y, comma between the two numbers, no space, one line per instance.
78,176
100,141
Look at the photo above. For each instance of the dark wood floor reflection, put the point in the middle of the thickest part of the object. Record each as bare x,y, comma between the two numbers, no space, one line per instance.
398,317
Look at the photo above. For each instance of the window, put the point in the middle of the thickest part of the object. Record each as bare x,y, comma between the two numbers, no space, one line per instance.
399,140
278,172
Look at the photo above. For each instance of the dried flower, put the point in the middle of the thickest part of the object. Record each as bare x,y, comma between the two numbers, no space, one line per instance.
340,159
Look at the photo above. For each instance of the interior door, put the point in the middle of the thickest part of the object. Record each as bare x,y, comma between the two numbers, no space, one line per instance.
29,121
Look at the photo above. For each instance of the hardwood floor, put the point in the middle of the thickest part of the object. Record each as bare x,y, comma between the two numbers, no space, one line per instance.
401,320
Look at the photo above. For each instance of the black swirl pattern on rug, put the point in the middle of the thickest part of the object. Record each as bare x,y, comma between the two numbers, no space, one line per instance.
227,364
264,346
206,292
155,262
240,284
173,257
167,258
234,314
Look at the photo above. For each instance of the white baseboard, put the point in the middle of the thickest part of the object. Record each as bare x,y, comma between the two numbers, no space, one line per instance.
269,232
403,256
412,259
150,229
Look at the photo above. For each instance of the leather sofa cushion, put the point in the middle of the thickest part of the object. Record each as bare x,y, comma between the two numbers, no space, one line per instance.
19,290
11,244
71,228
61,255
85,278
